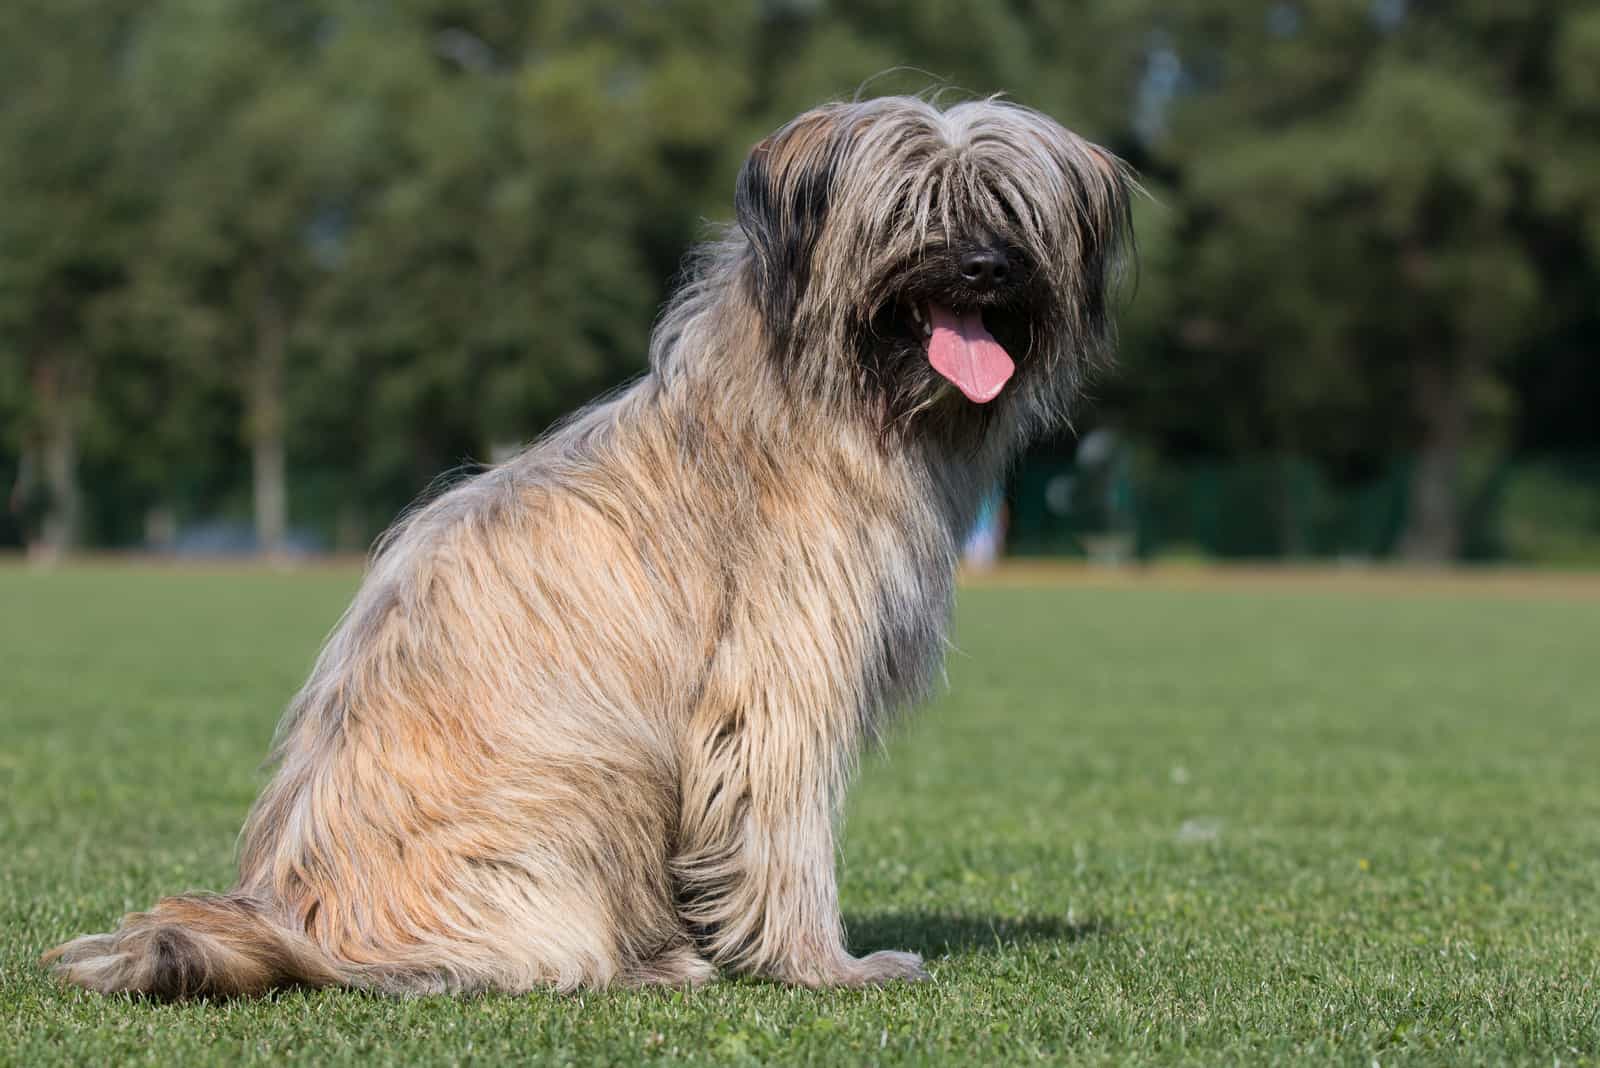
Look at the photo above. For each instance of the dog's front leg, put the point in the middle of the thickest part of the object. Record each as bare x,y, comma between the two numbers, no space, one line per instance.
755,866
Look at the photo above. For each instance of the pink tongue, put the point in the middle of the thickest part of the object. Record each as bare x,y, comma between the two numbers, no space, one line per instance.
966,353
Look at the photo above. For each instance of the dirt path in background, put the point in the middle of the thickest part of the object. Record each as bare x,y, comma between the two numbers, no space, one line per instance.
1053,574
1378,580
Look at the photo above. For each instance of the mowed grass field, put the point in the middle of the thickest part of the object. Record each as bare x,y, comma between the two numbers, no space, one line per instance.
1145,824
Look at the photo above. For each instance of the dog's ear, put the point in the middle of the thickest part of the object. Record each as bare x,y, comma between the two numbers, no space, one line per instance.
781,202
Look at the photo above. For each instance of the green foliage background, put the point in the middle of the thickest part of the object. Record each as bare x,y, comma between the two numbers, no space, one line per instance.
369,242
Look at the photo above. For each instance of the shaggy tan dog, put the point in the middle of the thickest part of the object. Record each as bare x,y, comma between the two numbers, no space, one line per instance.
592,713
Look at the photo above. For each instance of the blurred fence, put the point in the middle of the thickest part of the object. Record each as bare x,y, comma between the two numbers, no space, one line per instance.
1528,509
1109,503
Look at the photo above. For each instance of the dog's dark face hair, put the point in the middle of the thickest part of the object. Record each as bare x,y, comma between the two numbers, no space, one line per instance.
944,268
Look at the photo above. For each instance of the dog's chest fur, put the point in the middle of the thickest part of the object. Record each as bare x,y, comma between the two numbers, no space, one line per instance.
836,569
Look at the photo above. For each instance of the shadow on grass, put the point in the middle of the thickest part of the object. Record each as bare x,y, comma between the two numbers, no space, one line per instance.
935,933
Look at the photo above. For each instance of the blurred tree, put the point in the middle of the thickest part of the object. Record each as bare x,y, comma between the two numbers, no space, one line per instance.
70,228
1558,380
362,243
503,262
1356,193
237,118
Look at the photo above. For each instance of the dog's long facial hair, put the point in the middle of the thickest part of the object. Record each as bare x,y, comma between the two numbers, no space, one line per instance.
590,718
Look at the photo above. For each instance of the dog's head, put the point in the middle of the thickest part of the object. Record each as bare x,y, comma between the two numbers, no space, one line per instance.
945,265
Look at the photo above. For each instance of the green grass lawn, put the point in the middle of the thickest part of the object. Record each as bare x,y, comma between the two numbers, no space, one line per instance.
1145,824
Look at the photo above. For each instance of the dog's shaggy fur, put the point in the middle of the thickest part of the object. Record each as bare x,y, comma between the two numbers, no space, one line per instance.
591,715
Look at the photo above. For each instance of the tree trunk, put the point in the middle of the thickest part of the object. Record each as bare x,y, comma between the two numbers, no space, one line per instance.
56,395
266,430
1433,523
63,523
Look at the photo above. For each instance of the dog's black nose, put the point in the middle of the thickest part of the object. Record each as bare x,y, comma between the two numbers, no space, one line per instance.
985,268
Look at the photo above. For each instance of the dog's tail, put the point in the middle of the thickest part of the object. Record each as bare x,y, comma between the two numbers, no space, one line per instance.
195,945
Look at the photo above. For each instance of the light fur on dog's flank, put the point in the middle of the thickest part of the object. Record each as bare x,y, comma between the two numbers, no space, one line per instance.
590,718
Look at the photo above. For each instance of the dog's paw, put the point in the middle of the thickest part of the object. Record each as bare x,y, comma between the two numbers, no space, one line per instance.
875,969
888,965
